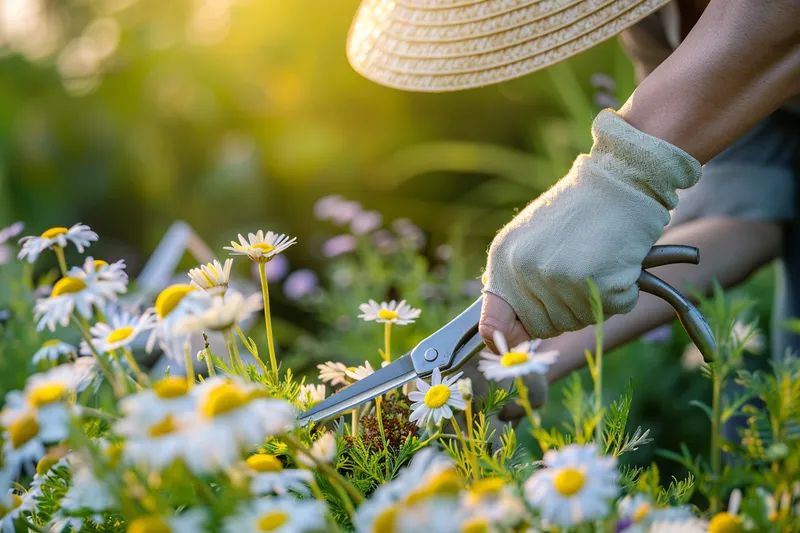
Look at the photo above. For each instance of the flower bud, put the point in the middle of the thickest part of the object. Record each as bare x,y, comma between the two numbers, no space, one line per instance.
465,388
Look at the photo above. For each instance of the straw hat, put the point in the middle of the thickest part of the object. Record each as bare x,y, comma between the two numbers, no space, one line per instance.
449,45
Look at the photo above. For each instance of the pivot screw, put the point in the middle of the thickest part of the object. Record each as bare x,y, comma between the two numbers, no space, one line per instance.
431,354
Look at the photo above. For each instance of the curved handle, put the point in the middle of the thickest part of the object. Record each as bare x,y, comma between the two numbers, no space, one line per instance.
692,320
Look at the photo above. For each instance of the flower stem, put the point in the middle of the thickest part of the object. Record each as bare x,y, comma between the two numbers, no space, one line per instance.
252,349
62,262
387,342
141,377
598,388
354,425
326,469
33,527
187,357
379,416
473,452
106,370
236,355
525,403
716,441
209,356
428,440
348,503
268,319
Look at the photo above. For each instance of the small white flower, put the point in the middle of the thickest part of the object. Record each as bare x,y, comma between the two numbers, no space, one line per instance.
173,306
191,521
121,330
74,293
748,336
575,487
11,506
311,394
157,445
223,313
169,396
22,443
323,451
492,501
86,491
260,246
728,520
80,235
333,373
358,373
52,350
465,388
516,362
268,476
399,313
108,279
435,401
212,276
689,525
277,515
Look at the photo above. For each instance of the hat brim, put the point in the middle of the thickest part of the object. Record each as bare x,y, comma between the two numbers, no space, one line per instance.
451,45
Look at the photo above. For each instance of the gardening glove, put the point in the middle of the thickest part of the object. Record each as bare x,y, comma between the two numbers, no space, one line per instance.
598,222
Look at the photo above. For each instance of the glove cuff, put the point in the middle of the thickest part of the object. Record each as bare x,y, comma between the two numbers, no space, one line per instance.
652,165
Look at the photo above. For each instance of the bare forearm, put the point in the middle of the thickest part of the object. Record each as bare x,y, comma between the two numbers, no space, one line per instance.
738,64
730,250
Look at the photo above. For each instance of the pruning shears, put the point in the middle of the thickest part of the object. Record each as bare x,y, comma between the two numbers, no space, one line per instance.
453,345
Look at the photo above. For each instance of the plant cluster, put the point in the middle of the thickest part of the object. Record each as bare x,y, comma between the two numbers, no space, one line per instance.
95,443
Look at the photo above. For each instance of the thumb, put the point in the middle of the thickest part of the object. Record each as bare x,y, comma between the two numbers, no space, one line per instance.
497,315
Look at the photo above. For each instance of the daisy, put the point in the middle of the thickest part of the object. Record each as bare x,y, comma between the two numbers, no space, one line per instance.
575,486
311,394
260,246
86,495
436,401
229,417
267,476
22,444
212,276
333,373
111,279
358,373
728,521
80,235
169,396
277,515
120,331
392,312
516,362
174,305
224,312
322,451
155,446
493,500
690,525
70,294
52,350
11,507
191,521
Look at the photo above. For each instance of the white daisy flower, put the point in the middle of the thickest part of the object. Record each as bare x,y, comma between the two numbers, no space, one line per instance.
358,373
110,279
121,330
191,521
223,313
311,394
168,397
728,521
212,276
278,515
231,416
46,468
156,446
689,525
22,444
11,507
80,235
52,350
74,293
399,313
436,401
268,476
260,246
86,493
493,500
323,451
333,373
575,486
516,362
172,307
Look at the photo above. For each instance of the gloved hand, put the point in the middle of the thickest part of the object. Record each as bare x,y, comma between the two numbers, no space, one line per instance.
598,222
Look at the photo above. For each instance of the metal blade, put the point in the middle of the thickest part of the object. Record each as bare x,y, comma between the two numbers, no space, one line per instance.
382,381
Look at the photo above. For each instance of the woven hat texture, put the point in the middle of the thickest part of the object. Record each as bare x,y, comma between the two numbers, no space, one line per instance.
450,45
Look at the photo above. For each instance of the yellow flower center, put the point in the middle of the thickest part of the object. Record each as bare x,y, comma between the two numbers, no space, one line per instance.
445,483
16,502
264,247
51,343
114,452
257,394
476,525
98,263
54,232
773,516
23,429
120,334
223,399
163,428
264,462
384,522
385,314
569,481
46,463
47,394
437,396
171,388
170,298
67,285
641,512
485,487
148,524
272,521
725,523
514,358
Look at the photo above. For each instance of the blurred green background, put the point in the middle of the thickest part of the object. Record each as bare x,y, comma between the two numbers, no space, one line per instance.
237,115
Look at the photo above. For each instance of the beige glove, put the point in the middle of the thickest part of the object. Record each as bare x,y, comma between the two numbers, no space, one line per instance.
598,222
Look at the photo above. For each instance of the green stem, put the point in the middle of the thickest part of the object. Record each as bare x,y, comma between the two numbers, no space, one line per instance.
348,503
716,441
379,415
387,342
525,403
316,490
62,262
428,440
354,425
252,349
236,355
131,360
106,370
209,362
326,469
473,454
32,526
598,387
268,319
187,357
229,348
